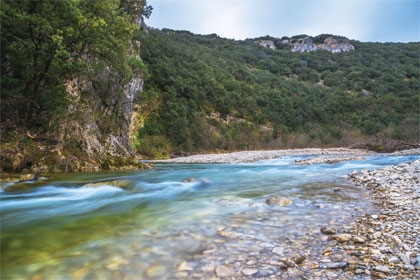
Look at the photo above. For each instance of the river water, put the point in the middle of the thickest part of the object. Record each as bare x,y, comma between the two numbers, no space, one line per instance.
145,224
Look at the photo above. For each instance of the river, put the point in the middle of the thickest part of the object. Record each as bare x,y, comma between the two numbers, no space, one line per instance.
175,220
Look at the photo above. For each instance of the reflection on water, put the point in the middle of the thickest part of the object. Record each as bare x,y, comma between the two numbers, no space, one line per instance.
113,225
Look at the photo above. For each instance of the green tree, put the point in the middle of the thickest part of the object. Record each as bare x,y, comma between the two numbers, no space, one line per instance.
44,43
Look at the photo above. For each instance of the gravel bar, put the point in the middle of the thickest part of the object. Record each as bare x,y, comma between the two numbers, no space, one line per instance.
252,156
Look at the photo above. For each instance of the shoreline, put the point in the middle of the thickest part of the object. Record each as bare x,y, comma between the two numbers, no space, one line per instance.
384,242
253,156
380,242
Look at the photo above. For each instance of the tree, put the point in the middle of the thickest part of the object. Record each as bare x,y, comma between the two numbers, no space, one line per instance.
44,43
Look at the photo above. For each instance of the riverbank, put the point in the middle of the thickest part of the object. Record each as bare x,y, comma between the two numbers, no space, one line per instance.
252,156
329,155
385,242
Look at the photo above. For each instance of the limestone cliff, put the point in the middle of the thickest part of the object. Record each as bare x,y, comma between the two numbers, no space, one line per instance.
330,44
99,122
93,134
267,44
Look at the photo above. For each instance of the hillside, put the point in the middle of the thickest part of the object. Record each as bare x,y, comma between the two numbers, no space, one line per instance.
207,93
84,87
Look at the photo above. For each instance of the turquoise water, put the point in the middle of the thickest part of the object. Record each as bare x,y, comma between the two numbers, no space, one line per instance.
113,225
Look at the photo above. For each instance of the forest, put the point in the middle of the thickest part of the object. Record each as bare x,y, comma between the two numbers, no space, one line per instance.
67,66
205,93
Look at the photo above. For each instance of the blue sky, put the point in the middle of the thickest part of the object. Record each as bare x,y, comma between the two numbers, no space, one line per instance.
363,20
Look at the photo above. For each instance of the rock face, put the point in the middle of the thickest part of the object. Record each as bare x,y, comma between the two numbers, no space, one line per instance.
267,44
95,133
100,121
330,44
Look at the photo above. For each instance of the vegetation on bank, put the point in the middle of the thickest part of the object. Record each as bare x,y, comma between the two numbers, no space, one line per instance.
206,93
63,64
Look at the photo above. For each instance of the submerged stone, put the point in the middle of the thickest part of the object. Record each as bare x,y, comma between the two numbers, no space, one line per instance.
333,265
278,201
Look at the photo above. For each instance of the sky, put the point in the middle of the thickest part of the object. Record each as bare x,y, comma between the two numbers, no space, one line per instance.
363,20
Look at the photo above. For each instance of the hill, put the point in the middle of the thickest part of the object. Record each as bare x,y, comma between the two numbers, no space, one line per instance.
206,93
84,86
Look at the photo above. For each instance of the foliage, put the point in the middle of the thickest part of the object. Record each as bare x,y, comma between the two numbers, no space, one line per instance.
215,93
44,43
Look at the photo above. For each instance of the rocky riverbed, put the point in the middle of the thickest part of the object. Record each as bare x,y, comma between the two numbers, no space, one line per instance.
365,227
382,242
390,240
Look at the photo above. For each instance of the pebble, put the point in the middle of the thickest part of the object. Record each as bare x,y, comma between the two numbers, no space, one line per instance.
394,260
333,265
224,271
358,239
327,251
409,267
416,261
249,271
328,230
344,237
298,259
155,270
185,266
405,258
382,268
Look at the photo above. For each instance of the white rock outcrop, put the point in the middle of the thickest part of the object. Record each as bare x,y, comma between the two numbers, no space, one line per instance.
330,44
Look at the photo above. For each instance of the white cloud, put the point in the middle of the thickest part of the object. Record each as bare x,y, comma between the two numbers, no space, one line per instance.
365,20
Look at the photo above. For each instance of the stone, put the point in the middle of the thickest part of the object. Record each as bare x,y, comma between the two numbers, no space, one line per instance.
155,271
341,238
263,273
327,251
224,271
278,201
283,266
190,180
359,271
405,258
249,271
409,267
278,251
358,239
328,230
331,275
318,274
185,266
382,268
115,263
298,259
333,265
394,260
377,234
416,261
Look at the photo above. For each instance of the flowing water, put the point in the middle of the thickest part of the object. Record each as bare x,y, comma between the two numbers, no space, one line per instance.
144,224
